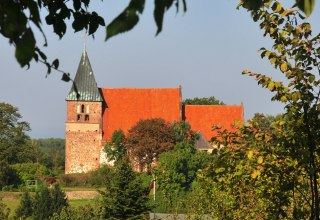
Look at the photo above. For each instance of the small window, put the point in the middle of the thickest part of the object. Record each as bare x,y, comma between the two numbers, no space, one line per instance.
82,108
86,118
79,117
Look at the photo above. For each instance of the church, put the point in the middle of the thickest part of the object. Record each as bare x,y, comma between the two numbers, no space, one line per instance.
93,114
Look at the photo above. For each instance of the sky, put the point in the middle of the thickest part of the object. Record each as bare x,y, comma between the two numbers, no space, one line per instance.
203,50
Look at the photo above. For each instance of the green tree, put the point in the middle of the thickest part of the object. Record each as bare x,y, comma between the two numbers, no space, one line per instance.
115,148
254,176
14,146
30,171
148,139
42,208
203,101
177,170
51,153
295,53
90,211
24,209
47,202
182,131
124,197
8,175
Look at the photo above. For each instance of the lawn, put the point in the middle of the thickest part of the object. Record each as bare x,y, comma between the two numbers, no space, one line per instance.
12,199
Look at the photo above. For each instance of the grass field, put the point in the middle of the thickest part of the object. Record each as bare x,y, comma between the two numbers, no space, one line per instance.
12,199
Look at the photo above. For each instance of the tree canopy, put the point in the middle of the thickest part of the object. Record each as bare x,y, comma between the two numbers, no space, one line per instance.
203,101
115,148
124,197
295,54
14,141
148,139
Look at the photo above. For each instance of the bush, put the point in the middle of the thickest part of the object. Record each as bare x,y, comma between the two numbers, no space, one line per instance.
4,211
8,188
99,177
30,171
95,178
74,179
92,212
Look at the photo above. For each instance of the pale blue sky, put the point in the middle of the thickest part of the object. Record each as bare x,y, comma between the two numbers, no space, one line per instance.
204,50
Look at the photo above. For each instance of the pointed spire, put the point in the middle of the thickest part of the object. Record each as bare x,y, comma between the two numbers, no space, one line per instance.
84,86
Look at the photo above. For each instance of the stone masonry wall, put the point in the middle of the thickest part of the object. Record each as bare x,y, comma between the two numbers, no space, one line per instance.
83,136
82,151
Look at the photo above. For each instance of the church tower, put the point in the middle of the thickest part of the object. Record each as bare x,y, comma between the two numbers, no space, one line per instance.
84,121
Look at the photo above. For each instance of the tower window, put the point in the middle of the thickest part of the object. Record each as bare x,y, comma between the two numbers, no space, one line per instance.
86,117
79,117
82,108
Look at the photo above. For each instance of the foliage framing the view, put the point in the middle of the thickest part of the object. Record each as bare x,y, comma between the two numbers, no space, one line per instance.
20,22
295,53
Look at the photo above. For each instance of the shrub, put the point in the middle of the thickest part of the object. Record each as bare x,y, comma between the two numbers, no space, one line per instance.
74,179
4,211
30,171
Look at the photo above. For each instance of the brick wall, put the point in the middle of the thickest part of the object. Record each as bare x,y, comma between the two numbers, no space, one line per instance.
83,136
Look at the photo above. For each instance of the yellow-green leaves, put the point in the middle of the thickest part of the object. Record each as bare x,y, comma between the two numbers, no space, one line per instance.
277,7
306,6
284,67
260,160
271,86
250,154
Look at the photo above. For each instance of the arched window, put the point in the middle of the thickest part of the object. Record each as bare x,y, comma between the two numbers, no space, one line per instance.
79,117
86,117
82,108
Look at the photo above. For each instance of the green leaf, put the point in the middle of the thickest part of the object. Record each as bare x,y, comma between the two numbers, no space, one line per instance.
160,6
219,170
311,78
55,64
25,48
283,99
252,4
306,6
66,77
77,5
80,21
126,20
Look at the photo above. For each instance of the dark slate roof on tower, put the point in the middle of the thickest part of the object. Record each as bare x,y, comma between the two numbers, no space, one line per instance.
84,86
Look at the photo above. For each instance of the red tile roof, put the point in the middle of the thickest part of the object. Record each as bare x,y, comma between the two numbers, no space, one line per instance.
203,117
126,106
